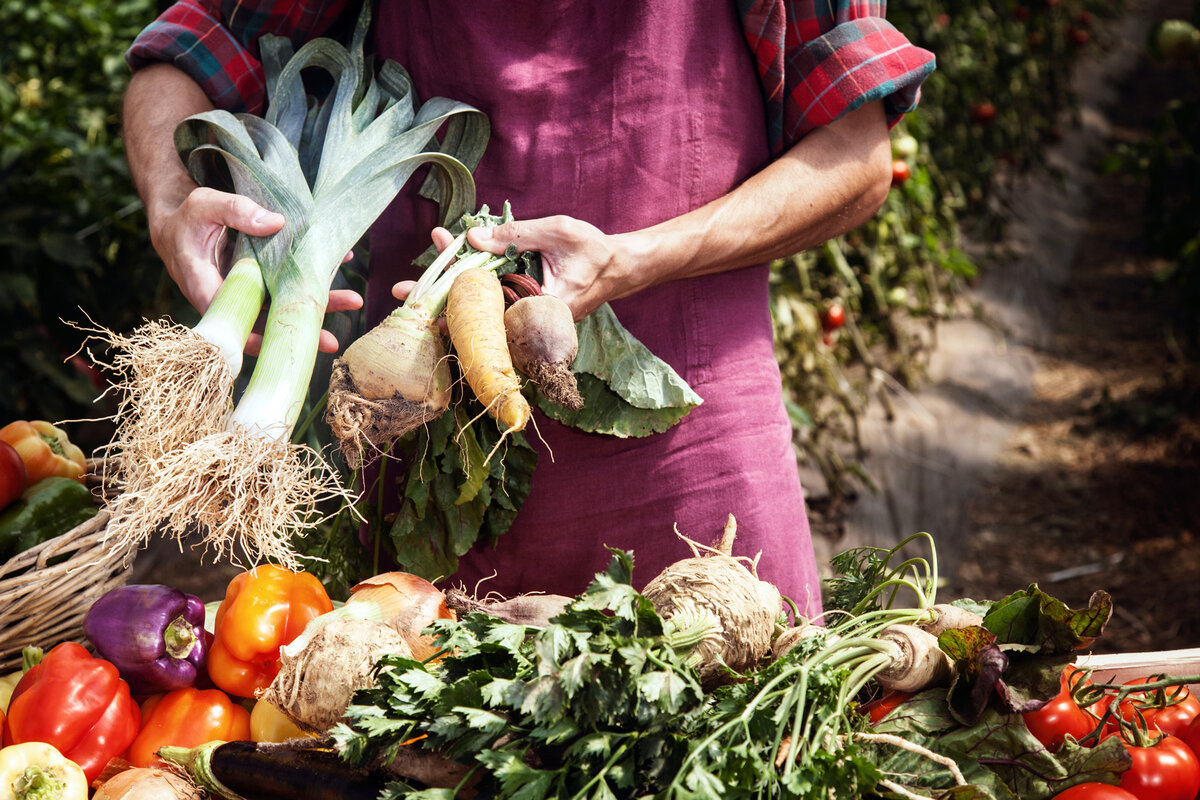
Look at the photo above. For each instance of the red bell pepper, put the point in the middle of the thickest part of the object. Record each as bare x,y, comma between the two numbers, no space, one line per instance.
187,717
45,449
264,609
77,703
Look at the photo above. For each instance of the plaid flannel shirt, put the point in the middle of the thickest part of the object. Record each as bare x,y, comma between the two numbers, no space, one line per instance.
816,60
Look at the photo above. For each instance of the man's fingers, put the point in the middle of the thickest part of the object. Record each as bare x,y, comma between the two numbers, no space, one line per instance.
344,300
238,212
401,290
441,238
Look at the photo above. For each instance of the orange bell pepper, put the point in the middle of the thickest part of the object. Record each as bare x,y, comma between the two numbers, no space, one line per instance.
45,449
187,717
264,610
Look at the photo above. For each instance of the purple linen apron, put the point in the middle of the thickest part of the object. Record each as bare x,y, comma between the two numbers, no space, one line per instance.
621,115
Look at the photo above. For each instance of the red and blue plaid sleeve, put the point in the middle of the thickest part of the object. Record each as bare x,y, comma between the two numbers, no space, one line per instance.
818,60
218,46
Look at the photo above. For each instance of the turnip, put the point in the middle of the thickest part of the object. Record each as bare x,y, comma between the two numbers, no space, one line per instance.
724,591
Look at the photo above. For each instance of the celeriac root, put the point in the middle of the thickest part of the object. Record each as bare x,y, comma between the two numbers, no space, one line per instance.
314,686
365,427
741,609
248,496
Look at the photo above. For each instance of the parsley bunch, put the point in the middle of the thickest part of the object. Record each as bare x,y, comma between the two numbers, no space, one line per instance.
591,705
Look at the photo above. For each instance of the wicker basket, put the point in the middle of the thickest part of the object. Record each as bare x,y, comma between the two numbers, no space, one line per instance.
43,604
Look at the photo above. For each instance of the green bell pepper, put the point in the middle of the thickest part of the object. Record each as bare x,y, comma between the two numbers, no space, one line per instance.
47,509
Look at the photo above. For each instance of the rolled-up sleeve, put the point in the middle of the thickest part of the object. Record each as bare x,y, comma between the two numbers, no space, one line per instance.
217,45
820,60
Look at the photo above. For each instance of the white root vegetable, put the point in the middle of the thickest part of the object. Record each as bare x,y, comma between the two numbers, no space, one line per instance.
715,587
917,661
535,610
316,683
947,617
791,637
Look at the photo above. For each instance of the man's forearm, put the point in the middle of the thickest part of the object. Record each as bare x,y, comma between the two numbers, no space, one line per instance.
832,181
159,97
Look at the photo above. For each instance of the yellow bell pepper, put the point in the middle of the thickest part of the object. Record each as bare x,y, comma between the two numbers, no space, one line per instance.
7,684
269,724
37,771
45,449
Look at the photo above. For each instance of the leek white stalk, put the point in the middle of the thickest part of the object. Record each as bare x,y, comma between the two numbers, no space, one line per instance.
330,169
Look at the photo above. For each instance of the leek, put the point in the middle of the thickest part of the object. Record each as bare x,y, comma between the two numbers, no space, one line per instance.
330,167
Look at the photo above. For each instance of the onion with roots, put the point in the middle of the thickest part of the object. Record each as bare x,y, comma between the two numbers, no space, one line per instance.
742,611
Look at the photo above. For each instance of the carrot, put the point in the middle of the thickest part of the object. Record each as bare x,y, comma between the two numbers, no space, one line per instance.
475,318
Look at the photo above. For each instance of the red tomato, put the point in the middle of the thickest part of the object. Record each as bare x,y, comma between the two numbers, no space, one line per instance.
983,113
1051,723
1191,736
1173,718
833,318
1095,791
879,708
900,172
1166,770
13,476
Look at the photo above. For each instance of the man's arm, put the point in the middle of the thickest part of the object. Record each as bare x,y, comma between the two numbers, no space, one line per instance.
831,181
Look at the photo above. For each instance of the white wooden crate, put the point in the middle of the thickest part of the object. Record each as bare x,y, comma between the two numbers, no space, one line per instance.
1121,667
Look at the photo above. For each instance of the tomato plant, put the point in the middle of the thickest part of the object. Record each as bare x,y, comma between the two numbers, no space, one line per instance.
13,476
1095,791
879,708
1051,723
900,172
1163,770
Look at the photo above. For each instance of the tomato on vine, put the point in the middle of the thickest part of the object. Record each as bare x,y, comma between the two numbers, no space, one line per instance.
833,317
900,172
1163,769
1061,716
1168,710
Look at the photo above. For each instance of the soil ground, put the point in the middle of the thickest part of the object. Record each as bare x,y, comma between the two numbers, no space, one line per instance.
1099,486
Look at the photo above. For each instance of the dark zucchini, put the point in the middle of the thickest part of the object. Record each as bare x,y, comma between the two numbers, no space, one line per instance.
295,770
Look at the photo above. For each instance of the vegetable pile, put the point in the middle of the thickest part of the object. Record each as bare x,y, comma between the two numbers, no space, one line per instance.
701,684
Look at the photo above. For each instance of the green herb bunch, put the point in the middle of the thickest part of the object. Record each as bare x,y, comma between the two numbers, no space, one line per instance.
603,703
589,706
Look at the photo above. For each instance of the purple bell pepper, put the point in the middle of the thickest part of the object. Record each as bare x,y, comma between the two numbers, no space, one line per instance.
154,634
